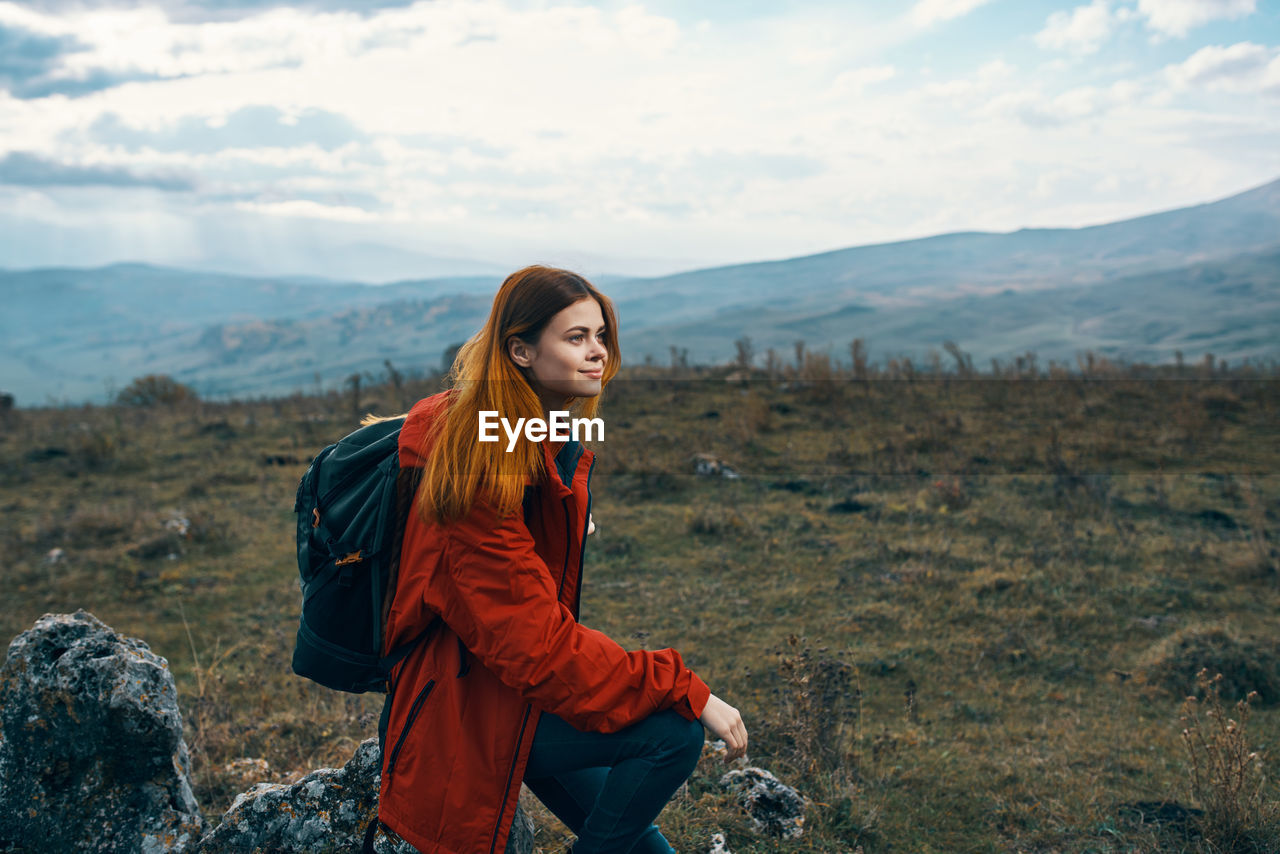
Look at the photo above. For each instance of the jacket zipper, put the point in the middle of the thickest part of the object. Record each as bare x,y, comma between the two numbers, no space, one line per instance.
568,526
464,665
582,550
568,543
510,773
413,713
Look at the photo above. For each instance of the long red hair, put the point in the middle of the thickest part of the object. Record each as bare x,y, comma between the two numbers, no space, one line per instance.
458,467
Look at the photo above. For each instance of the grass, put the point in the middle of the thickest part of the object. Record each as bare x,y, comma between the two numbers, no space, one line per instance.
959,614
1227,774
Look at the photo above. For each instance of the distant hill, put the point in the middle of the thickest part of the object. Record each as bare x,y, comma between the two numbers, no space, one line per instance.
1228,307
903,296
922,270
71,334
1199,279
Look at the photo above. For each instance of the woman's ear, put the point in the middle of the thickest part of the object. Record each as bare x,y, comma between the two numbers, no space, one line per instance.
519,351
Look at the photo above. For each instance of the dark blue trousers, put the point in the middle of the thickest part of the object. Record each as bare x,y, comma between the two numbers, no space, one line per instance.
609,787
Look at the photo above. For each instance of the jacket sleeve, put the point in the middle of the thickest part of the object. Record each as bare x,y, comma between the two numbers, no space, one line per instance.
499,597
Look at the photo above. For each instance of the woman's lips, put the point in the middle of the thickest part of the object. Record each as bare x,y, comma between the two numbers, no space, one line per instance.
596,374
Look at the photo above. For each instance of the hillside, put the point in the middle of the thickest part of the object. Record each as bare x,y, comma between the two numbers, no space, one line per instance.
70,334
959,613
1229,307
1200,279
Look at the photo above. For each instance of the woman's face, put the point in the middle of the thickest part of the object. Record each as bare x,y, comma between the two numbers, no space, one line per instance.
569,357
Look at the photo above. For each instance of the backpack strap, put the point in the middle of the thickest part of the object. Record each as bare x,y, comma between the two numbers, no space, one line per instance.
370,832
401,652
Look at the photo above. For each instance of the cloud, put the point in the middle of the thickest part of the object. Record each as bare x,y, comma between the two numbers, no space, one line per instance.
253,126
196,11
308,209
1178,17
1080,31
733,166
95,47
1039,111
855,80
28,55
927,12
32,66
515,125
1241,67
450,143
21,168
989,75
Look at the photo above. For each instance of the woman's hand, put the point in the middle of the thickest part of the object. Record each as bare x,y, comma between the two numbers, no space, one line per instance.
724,720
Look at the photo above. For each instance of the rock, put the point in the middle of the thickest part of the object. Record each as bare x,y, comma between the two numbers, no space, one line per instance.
709,465
716,749
326,811
92,759
718,845
520,840
775,808
1155,621
91,755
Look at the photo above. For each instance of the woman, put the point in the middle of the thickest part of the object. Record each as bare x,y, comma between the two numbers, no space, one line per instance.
512,687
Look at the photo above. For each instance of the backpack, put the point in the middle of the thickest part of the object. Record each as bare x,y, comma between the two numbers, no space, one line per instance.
352,505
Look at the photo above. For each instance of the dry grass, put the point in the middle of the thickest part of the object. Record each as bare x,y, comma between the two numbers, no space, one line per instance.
1241,815
986,575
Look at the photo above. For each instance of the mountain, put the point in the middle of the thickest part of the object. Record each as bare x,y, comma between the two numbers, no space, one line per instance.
1229,307
72,334
926,269
776,301
1199,279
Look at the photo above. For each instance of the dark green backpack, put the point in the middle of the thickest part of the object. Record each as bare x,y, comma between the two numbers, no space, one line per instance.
352,505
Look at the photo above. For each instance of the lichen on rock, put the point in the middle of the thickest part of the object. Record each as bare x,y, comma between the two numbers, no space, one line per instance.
91,753
775,808
92,759
326,811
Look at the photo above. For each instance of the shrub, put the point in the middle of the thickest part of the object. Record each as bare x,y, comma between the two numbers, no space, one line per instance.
1226,774
821,705
156,390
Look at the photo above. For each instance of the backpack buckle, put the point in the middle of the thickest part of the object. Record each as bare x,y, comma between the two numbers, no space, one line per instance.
345,563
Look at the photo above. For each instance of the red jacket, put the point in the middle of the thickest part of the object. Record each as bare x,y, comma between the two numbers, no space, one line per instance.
467,701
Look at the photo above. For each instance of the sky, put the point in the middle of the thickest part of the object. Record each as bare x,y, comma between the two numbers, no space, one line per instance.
627,137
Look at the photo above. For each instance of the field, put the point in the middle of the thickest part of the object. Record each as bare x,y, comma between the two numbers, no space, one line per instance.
960,612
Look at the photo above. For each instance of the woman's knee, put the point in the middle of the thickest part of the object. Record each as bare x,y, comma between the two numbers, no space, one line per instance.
674,738
688,738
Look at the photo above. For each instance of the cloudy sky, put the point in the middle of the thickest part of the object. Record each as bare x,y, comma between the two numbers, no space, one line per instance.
627,137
